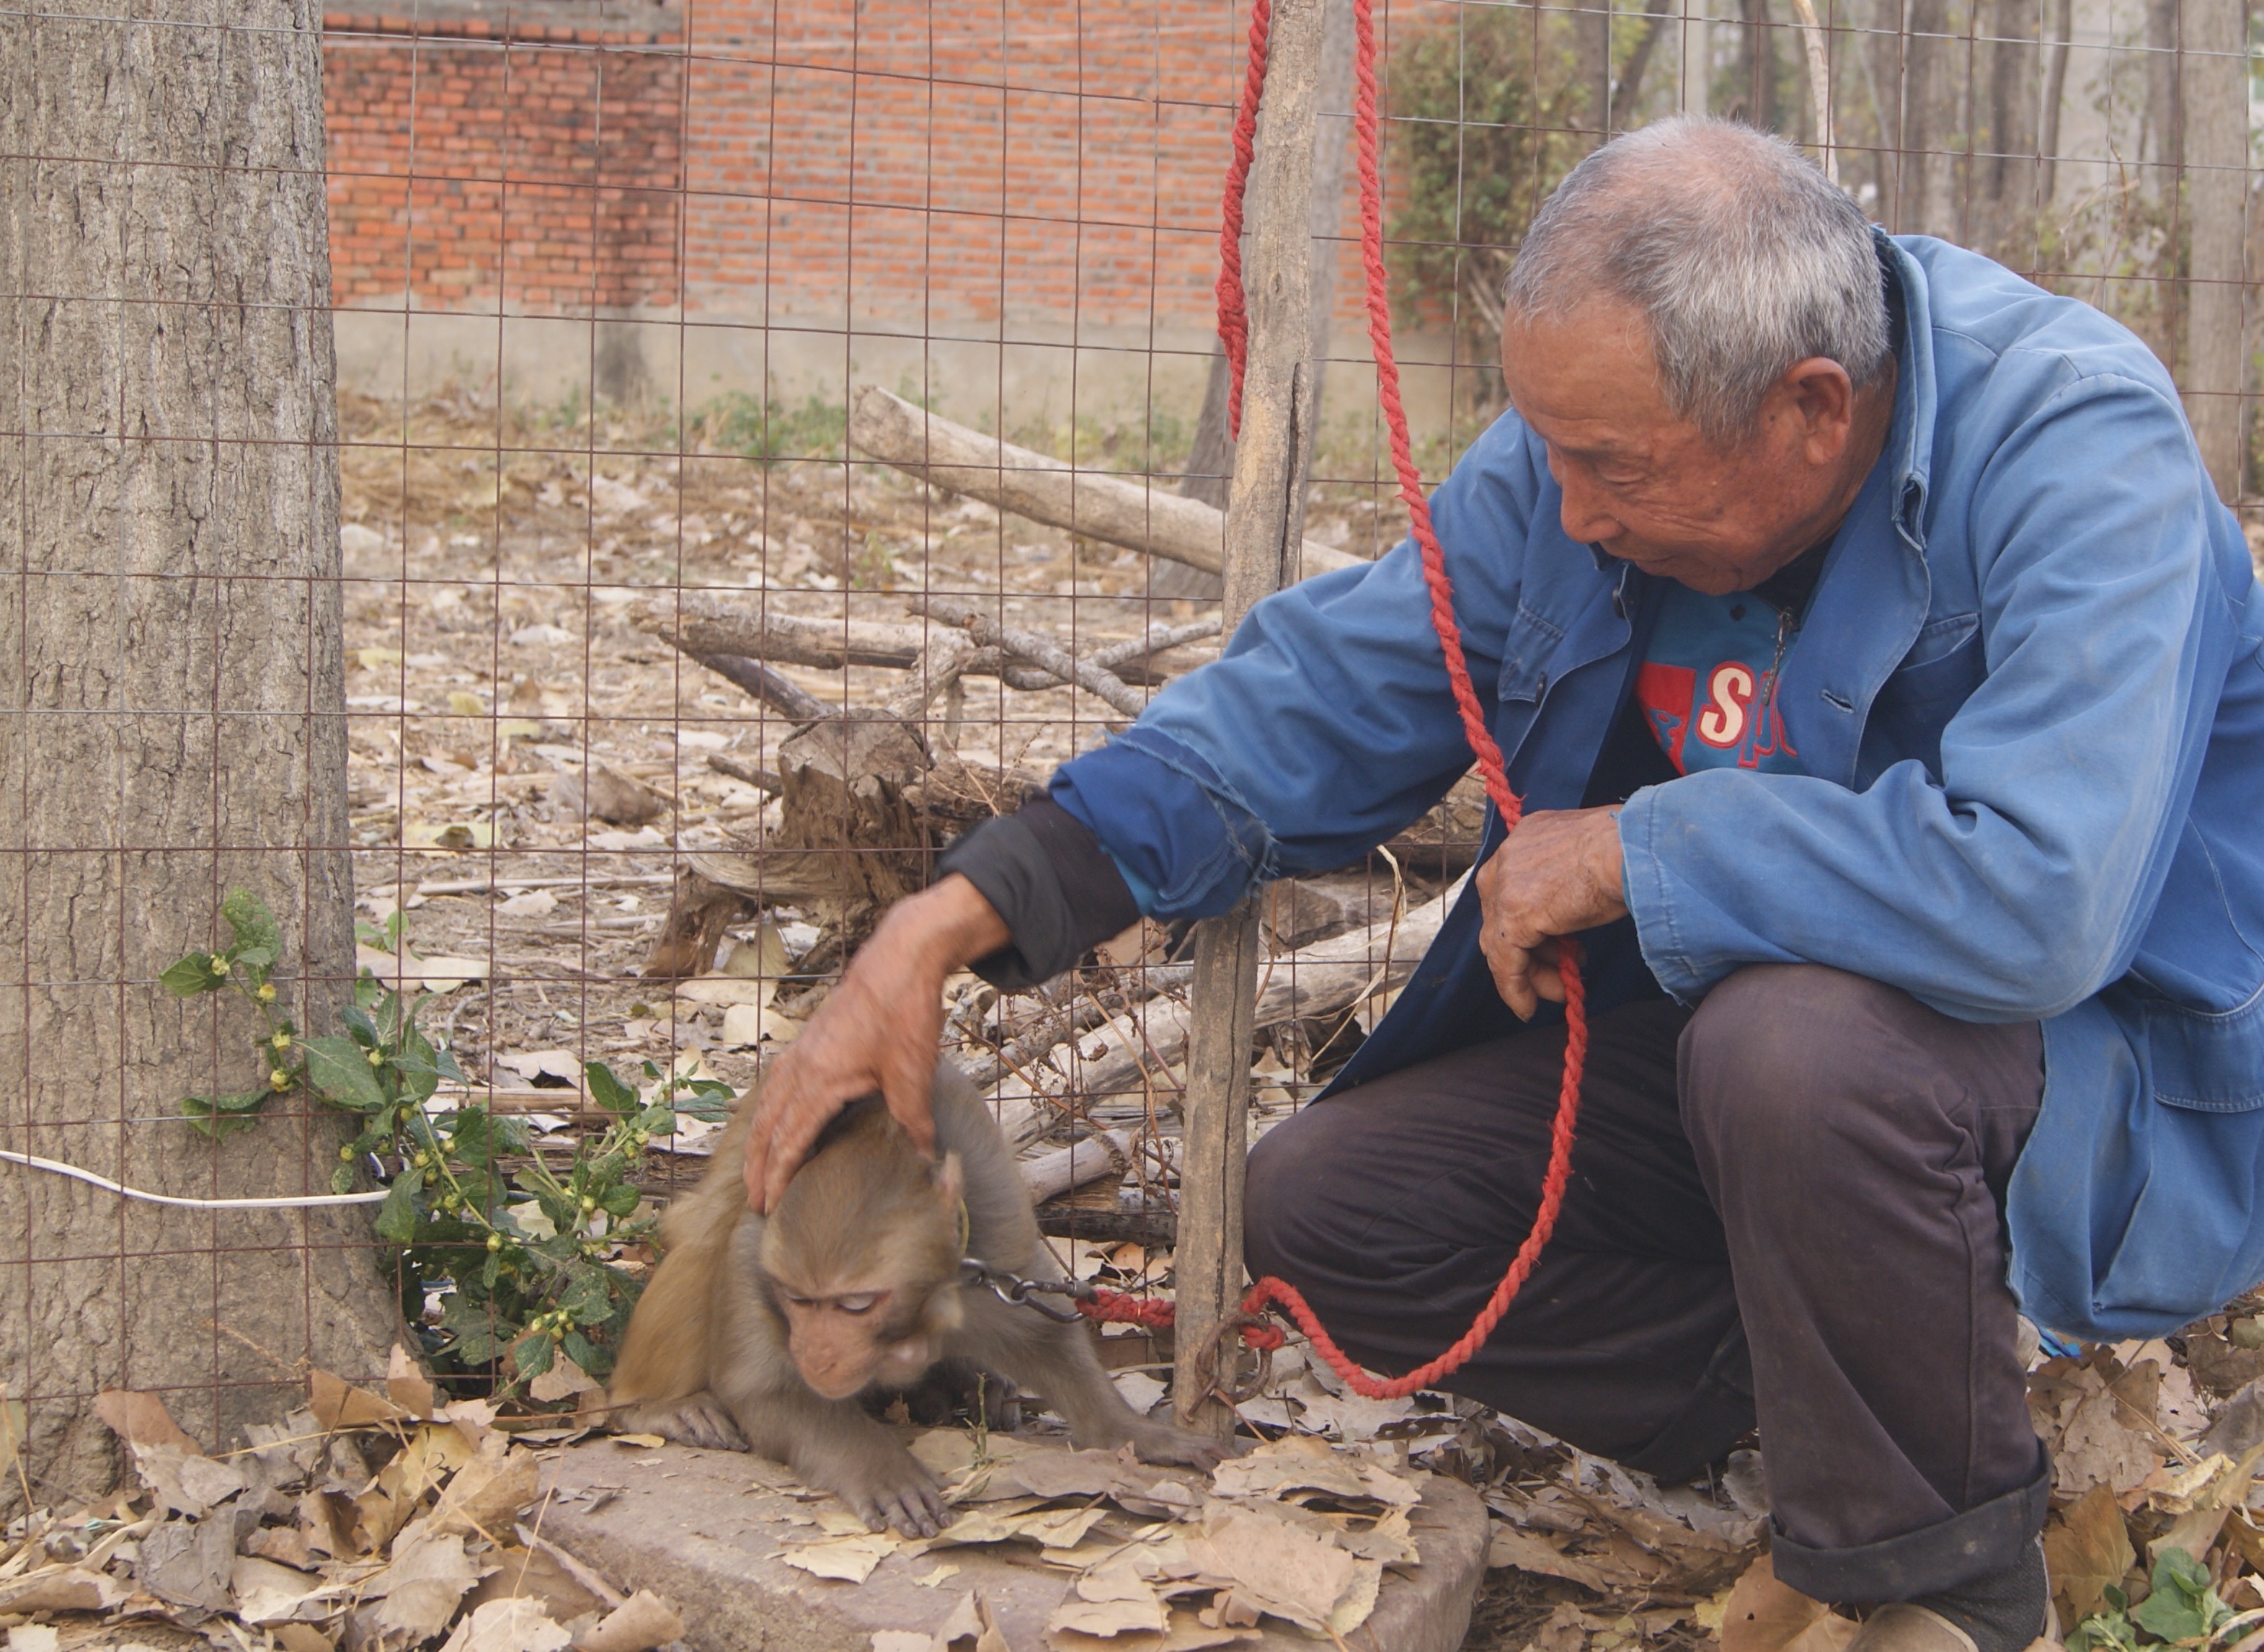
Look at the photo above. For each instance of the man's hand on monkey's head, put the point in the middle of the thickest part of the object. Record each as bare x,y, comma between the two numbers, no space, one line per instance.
878,1030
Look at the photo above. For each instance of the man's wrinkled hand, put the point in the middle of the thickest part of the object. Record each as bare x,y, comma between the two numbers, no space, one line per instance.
878,1030
1556,875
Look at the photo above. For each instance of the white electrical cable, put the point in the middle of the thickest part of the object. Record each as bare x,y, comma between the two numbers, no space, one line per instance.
124,1192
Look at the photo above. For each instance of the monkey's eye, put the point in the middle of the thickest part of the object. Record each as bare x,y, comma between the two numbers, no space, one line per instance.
861,1303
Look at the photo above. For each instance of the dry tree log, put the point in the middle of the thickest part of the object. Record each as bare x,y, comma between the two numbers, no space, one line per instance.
1326,978
1114,510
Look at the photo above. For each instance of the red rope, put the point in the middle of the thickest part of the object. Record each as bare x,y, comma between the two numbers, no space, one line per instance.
1233,316
1234,332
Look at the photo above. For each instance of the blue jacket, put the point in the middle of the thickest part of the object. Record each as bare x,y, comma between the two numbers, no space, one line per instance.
2029,697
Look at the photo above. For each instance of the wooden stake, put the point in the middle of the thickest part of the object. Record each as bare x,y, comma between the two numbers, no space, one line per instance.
1264,532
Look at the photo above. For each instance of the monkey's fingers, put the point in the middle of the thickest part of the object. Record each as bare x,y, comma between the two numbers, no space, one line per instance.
913,1511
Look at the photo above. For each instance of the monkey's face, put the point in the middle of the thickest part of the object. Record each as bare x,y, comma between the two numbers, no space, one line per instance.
843,1341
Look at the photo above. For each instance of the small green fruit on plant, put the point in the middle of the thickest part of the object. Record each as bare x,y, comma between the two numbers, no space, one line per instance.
506,1249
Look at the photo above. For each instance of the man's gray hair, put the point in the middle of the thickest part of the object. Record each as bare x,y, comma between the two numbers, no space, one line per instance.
1741,256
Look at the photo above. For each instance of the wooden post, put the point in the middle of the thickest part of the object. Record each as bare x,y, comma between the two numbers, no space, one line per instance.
2214,69
1265,528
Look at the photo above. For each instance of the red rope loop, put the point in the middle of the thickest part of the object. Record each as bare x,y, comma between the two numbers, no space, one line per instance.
1234,332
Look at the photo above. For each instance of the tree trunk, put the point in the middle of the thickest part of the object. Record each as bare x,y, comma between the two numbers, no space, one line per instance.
1694,63
1210,465
2008,165
1592,67
1757,62
175,715
2164,150
1925,203
2214,96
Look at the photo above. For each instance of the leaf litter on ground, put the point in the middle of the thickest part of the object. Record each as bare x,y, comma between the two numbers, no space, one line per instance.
366,1522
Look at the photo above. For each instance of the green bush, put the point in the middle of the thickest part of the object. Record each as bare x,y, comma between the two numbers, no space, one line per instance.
518,1252
1481,109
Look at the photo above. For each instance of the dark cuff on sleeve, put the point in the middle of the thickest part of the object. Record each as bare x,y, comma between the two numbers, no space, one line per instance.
1047,875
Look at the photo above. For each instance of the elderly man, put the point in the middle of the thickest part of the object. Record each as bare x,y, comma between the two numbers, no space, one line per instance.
1878,666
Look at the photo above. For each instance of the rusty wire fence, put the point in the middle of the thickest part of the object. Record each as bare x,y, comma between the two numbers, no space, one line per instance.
661,646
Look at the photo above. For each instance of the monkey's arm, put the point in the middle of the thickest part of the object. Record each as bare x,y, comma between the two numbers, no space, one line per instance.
1057,1361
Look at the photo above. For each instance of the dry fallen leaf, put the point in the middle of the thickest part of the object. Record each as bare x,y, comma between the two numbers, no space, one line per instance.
1763,1615
142,1419
2084,1550
514,1624
850,1559
536,1573
186,1482
428,1579
189,1561
487,1494
1527,1552
62,1589
641,1622
337,1405
562,1381
266,1592
406,1386
1270,1565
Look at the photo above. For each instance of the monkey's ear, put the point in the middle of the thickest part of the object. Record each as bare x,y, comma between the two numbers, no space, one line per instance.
950,1178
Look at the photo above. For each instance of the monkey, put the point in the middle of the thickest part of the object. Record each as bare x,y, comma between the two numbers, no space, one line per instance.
768,1334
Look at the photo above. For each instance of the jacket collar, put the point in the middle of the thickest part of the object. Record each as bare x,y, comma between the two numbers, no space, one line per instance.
1909,441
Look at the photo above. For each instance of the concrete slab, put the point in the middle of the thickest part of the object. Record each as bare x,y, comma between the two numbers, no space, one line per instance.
699,1527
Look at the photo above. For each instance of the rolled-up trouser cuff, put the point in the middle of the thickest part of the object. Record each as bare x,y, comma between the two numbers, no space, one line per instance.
1965,1546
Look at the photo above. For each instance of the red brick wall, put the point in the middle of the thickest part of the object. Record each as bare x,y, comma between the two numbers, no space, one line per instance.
917,165
476,162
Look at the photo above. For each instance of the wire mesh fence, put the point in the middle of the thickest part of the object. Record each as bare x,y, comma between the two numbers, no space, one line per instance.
749,420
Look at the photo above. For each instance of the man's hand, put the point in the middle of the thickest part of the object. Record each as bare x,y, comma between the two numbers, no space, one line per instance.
1557,874
877,1030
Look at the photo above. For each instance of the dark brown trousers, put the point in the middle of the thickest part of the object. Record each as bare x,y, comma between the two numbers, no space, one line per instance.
1786,1206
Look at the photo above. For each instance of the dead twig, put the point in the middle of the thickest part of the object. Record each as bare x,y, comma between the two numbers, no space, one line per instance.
1094,678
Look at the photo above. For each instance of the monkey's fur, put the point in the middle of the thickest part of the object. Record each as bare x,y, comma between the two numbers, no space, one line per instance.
761,1335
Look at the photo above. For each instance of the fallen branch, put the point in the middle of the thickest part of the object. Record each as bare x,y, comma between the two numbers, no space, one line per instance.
702,624
745,773
1051,1175
1094,678
1135,515
773,688
1326,978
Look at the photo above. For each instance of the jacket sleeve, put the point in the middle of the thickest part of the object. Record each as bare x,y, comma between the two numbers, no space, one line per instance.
1326,725
2019,883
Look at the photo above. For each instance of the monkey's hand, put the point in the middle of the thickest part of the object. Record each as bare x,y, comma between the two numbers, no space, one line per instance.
1155,1440
879,1029
890,1488
700,1421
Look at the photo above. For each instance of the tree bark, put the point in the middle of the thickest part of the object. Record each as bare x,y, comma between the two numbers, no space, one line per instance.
1592,68
175,715
1210,463
2214,98
1924,203
1265,529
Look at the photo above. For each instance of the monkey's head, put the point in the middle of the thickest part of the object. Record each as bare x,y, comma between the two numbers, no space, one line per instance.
862,1254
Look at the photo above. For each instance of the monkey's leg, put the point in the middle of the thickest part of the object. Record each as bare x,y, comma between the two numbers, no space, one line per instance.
1058,1361
698,1419
836,1447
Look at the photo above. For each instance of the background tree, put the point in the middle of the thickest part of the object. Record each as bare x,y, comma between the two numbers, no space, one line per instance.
1489,108
174,712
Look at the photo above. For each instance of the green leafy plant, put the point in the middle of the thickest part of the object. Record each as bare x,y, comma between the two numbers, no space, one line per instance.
513,1250
2181,1608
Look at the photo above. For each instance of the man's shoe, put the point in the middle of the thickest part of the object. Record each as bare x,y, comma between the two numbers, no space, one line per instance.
2004,1612
1902,1626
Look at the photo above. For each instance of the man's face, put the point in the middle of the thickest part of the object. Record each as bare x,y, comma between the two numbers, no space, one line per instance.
1647,486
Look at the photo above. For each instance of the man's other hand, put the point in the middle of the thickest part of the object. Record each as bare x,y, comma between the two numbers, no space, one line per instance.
877,1030
1557,874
